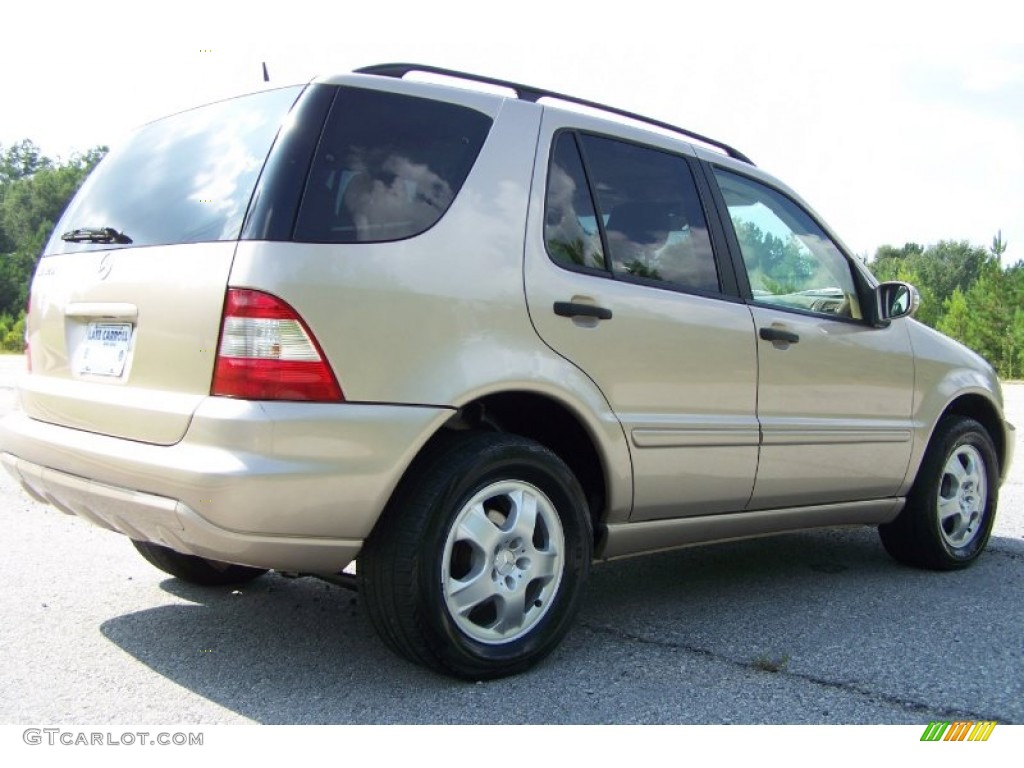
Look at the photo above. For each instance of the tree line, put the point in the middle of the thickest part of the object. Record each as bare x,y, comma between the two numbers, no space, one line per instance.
34,190
965,291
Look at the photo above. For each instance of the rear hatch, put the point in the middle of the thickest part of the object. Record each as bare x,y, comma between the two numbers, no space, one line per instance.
126,304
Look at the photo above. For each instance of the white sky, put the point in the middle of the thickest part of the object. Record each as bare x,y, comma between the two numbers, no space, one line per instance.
898,121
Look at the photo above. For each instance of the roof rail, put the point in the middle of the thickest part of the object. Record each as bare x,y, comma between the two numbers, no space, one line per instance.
529,93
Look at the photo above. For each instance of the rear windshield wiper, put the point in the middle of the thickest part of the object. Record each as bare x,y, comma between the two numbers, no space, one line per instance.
101,235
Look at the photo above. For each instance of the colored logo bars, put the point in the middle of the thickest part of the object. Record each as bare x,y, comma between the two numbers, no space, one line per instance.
963,730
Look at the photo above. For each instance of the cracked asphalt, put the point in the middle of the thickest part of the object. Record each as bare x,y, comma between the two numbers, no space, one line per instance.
817,627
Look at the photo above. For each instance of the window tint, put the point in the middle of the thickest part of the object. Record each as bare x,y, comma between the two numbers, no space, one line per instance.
790,261
653,220
650,213
570,223
184,179
388,166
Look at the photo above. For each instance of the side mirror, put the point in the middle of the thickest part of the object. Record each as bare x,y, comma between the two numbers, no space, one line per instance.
896,300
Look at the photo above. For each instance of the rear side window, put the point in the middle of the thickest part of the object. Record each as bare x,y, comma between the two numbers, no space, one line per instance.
388,166
184,179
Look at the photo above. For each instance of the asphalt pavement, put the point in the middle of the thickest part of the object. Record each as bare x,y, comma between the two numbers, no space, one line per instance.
818,627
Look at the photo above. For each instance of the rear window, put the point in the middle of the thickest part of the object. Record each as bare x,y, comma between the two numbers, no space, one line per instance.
388,166
183,179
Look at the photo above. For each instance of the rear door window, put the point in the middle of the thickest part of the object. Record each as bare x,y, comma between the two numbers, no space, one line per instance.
388,166
635,210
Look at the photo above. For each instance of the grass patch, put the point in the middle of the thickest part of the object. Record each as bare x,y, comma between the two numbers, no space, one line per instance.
766,663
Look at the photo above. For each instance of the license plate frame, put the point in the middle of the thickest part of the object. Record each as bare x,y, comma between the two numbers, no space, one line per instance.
104,351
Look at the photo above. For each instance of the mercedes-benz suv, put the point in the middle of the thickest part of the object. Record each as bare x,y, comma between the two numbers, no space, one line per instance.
473,342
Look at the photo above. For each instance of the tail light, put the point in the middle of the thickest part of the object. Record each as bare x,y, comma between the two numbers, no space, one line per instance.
266,352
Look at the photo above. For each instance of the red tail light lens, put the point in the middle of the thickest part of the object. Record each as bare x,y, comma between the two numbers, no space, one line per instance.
266,352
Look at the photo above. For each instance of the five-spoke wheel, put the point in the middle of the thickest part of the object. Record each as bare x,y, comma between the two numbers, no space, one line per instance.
951,508
477,565
962,497
502,562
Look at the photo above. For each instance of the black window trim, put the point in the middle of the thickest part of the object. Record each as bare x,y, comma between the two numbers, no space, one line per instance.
578,268
728,289
736,255
274,206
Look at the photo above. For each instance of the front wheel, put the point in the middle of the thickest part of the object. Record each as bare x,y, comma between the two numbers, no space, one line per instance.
951,508
476,567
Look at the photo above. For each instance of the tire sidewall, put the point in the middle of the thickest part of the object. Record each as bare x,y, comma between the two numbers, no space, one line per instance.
196,570
538,467
965,433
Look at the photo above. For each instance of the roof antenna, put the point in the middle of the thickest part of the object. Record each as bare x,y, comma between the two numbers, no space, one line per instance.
266,75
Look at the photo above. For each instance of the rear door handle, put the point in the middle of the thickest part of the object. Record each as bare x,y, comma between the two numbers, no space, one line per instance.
777,334
572,309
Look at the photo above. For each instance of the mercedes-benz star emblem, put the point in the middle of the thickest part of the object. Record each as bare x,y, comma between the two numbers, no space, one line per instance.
106,265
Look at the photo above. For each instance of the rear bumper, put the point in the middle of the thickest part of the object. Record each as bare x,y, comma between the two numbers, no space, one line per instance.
290,486
146,517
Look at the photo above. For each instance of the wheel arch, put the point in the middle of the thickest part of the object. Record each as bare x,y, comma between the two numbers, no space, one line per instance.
984,411
950,510
979,404
600,462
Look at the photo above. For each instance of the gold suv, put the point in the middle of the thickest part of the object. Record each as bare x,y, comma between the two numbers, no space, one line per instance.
472,342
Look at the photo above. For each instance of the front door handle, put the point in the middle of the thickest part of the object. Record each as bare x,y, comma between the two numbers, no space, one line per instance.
777,334
572,309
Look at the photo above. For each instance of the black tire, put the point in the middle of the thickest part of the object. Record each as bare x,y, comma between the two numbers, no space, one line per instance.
462,516
196,570
951,508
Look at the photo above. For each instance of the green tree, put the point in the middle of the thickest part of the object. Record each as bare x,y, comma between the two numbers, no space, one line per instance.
937,271
965,293
1015,367
21,160
956,319
890,261
34,190
777,265
995,325
998,247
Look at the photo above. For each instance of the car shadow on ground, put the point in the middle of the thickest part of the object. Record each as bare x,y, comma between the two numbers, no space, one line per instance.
826,611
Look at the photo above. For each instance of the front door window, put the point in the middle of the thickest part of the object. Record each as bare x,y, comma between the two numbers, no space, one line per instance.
790,260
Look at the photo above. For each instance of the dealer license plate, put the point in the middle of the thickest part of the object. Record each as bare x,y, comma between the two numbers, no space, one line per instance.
104,351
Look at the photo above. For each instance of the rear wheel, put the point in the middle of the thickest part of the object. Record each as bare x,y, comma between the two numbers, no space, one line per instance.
476,567
951,508
196,570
